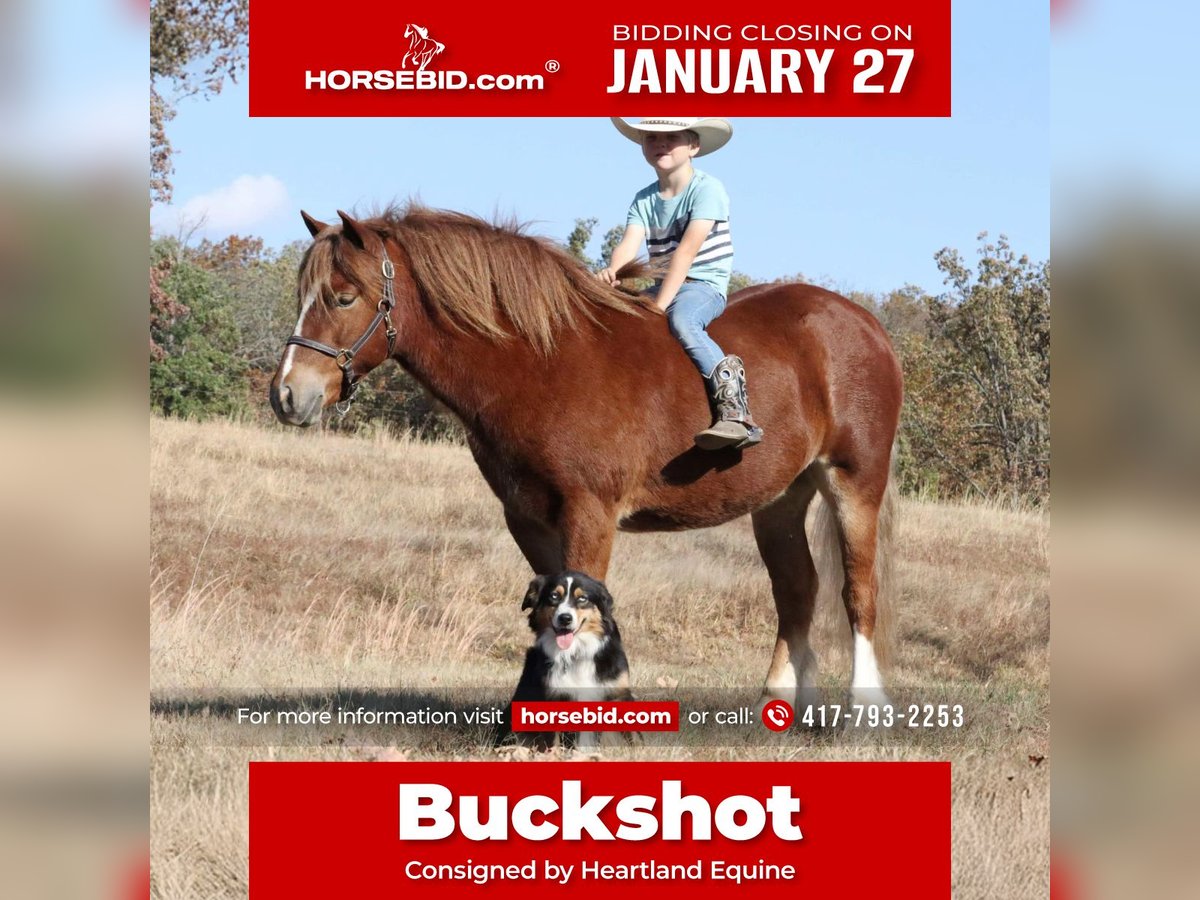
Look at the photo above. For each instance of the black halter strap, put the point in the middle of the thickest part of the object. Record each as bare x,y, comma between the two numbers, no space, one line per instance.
345,356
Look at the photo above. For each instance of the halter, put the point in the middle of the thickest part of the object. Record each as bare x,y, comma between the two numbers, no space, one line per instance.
345,357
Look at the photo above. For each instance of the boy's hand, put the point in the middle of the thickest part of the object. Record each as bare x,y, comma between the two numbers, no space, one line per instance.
625,252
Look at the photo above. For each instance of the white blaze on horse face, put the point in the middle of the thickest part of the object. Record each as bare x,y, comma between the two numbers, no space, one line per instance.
289,355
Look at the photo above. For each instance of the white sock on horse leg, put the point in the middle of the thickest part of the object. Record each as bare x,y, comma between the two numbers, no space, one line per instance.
866,670
866,685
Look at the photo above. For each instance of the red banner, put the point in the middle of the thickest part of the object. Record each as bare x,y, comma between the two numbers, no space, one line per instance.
377,58
450,830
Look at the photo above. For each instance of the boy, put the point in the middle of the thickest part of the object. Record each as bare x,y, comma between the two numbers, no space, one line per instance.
684,219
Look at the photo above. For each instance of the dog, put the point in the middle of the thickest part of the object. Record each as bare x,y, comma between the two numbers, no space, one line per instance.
576,653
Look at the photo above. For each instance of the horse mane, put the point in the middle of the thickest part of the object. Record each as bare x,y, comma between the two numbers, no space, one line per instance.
490,278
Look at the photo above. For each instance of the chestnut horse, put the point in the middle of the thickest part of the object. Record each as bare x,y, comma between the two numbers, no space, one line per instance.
579,406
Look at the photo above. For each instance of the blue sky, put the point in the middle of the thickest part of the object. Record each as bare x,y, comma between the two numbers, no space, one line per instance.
864,203
73,86
1124,99
860,203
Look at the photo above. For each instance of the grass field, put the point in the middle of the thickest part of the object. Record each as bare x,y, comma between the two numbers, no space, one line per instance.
288,563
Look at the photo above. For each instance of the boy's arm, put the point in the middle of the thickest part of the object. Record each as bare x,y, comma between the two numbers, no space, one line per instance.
681,260
625,252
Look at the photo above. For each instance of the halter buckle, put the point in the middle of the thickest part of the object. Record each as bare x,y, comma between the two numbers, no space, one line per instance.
344,363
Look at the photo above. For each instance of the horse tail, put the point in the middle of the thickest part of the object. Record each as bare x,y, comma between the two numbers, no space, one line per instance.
825,545
886,585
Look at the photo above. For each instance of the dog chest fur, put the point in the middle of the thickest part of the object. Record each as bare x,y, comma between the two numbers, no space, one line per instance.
573,672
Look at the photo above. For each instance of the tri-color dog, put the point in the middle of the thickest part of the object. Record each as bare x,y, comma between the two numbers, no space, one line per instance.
576,653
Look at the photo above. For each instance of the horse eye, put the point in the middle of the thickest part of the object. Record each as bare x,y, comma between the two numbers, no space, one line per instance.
345,300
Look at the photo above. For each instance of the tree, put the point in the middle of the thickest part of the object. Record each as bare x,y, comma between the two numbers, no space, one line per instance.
905,311
260,287
193,367
579,238
612,237
194,46
740,280
165,310
979,382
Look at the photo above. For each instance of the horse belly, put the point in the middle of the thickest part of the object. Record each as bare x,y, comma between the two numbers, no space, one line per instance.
679,519
702,505
696,488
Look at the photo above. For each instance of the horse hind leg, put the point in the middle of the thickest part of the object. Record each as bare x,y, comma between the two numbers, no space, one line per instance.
783,546
862,504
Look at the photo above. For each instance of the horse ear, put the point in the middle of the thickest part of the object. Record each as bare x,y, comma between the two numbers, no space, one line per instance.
314,226
531,593
353,230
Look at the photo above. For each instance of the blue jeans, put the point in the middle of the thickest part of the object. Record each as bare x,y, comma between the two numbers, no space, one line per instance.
694,307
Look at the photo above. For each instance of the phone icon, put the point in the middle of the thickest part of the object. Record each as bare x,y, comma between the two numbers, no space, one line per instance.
778,715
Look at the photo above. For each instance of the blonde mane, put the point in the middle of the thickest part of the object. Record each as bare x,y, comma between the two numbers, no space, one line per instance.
489,278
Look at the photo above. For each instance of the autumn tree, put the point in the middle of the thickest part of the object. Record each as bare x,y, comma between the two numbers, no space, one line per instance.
194,46
194,368
978,384
260,285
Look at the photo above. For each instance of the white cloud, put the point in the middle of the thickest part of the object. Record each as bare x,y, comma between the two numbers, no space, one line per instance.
243,203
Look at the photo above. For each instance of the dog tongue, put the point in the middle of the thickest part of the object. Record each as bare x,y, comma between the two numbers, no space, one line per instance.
564,640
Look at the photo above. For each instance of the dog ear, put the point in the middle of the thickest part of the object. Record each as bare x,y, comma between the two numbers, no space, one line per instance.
531,593
605,595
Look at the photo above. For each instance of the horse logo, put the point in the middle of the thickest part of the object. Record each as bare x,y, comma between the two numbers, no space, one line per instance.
421,48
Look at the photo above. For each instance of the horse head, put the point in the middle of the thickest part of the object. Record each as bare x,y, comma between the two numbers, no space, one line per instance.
348,289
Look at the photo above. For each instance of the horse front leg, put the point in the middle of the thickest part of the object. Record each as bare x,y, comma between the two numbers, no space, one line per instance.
538,542
586,525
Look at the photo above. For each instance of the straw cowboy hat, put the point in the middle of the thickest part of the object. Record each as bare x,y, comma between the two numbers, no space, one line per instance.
714,133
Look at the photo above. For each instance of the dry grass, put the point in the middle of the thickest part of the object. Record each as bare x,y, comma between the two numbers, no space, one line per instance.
306,562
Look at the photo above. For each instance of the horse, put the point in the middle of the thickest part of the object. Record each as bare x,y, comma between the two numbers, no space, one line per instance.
420,47
579,406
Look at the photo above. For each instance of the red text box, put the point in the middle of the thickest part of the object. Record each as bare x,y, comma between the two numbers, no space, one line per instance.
377,58
334,829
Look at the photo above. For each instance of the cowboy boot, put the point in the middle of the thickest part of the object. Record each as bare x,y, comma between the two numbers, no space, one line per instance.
754,431
732,424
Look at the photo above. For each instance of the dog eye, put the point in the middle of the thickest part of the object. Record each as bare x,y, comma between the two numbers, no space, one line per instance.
584,601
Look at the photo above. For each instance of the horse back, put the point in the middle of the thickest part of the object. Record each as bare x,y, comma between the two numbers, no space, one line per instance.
613,411
823,381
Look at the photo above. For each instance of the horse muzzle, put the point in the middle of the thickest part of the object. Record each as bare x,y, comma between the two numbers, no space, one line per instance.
297,404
